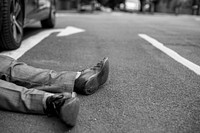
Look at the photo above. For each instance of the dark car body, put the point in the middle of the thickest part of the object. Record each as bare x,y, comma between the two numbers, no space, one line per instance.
21,13
36,10
0,14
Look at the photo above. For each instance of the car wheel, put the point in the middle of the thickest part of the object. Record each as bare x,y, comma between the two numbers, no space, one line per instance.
12,24
51,20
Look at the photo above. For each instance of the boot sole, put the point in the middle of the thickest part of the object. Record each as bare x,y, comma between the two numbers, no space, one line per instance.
69,111
92,85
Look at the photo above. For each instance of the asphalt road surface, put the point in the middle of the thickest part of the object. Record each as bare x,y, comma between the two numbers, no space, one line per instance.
154,80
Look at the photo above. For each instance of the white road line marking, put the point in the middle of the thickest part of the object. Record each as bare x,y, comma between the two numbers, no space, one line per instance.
195,68
28,44
65,14
36,39
70,30
197,19
116,14
61,15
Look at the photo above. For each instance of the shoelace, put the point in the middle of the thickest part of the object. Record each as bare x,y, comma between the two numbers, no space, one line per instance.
97,66
55,104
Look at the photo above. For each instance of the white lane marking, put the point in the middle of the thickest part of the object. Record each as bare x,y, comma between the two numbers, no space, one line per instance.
117,14
65,14
30,42
61,15
197,19
195,68
70,30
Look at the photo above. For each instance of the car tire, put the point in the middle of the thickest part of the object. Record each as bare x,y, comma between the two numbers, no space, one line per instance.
12,24
51,20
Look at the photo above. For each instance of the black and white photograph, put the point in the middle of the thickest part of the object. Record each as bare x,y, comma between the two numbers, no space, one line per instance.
99,66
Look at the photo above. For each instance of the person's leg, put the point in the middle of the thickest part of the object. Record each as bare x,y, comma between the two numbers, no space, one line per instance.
20,99
48,80
29,77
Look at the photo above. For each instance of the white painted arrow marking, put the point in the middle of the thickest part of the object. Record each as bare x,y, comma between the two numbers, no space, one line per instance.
197,19
30,42
69,31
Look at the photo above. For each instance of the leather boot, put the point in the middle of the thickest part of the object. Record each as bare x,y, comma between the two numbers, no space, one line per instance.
90,79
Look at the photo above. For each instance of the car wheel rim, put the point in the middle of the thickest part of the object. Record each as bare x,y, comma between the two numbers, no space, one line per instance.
16,18
53,13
